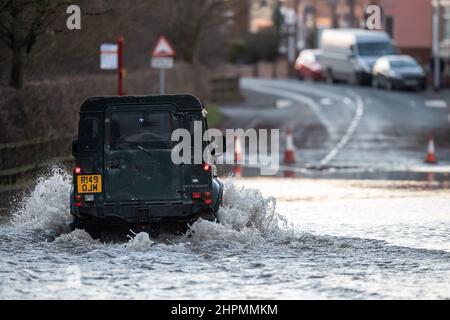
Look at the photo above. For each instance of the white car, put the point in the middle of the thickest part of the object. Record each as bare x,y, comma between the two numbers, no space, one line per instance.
392,72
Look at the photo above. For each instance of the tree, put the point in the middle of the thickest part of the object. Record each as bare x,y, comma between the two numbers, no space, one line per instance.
192,18
22,22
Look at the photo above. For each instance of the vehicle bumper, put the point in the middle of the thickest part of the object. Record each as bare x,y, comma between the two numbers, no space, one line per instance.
129,214
409,83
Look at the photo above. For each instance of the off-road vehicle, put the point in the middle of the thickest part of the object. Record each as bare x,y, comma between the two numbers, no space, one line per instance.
124,177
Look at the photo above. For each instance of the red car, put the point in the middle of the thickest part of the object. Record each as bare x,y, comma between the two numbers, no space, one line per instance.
308,67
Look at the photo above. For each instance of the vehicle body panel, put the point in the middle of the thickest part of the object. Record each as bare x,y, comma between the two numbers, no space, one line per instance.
126,141
400,72
307,65
349,54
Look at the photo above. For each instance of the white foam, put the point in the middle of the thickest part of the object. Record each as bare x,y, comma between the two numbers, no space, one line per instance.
246,216
78,238
46,208
140,242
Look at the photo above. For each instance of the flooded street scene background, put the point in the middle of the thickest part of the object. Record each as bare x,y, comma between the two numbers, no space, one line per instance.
348,99
278,239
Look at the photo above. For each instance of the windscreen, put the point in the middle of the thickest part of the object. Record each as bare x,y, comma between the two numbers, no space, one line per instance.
130,130
375,49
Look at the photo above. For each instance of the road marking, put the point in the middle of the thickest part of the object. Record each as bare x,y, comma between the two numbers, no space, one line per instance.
315,108
283,104
349,133
326,101
438,104
267,88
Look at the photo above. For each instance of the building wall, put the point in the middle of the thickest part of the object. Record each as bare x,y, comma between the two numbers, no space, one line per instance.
412,26
413,22
261,14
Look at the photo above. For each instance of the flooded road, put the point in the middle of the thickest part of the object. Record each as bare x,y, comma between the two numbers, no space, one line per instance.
278,239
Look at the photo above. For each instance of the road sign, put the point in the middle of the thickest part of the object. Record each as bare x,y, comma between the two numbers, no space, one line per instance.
163,49
162,63
162,58
109,56
162,55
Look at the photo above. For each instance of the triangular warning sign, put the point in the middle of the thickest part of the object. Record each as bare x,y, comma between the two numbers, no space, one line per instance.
163,49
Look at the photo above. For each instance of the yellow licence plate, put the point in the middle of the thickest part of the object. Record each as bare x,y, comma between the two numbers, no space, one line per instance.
89,184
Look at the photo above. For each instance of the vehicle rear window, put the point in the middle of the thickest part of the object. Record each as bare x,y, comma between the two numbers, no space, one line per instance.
88,139
130,130
403,63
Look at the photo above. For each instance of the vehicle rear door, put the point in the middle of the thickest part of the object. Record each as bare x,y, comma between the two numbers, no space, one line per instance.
138,165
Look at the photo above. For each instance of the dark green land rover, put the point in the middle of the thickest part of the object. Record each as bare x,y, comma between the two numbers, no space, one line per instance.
124,176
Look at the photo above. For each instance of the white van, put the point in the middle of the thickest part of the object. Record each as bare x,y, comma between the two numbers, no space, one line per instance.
350,54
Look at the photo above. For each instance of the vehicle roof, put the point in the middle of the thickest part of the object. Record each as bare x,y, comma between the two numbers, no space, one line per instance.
181,102
349,36
312,51
399,58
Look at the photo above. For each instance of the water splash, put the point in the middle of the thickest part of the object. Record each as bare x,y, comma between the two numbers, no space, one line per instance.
77,239
246,217
46,207
140,242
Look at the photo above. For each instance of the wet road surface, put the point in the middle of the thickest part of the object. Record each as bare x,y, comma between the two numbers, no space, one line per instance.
278,239
348,128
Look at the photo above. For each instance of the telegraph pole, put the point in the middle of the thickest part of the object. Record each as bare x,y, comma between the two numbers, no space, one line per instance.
436,48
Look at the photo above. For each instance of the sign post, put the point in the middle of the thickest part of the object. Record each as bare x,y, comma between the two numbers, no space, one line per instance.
162,59
121,69
111,58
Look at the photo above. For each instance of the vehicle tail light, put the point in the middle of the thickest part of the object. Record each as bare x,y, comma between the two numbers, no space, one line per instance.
206,167
208,198
89,198
78,200
196,195
77,170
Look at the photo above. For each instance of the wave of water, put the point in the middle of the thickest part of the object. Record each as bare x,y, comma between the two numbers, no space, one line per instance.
246,216
46,206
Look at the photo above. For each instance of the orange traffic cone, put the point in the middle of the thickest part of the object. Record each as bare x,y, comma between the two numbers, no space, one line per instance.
289,153
431,154
238,169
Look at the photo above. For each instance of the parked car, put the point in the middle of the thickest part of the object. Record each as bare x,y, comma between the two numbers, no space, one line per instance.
349,54
392,72
124,177
307,65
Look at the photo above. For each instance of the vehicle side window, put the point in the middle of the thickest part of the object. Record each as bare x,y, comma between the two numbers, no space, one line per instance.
89,134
